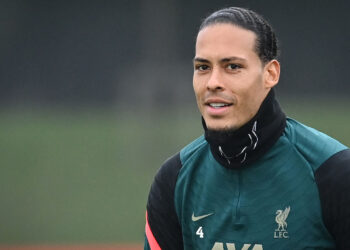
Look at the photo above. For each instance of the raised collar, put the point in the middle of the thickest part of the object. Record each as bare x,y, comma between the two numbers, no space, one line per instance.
239,148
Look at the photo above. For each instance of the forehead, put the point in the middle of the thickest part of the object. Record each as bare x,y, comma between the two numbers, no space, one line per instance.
224,40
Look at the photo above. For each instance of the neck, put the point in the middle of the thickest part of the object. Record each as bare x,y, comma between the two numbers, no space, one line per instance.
241,147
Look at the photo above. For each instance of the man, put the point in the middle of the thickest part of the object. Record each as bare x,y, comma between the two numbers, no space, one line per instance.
256,179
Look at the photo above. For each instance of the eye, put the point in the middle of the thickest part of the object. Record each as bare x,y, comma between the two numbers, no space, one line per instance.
233,66
201,67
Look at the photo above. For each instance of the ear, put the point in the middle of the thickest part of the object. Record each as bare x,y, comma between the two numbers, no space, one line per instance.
272,73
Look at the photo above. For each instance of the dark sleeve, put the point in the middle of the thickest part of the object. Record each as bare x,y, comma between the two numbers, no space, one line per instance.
164,226
333,180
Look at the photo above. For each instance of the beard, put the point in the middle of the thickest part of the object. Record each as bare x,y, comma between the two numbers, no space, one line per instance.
218,135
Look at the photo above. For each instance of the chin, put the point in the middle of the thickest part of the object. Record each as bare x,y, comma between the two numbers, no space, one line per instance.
215,126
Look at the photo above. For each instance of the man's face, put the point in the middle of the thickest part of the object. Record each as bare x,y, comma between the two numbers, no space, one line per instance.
229,77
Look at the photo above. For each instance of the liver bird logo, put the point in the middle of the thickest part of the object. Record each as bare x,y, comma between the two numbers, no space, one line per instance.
281,219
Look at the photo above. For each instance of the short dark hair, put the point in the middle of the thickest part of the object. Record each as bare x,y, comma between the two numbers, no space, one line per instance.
266,45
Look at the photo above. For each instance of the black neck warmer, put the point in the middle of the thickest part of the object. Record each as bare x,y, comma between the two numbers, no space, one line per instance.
239,148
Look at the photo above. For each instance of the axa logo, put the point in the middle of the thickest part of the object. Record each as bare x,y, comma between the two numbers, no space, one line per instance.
232,246
281,217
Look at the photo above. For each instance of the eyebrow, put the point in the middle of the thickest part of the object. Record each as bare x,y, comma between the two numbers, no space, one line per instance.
226,59
198,59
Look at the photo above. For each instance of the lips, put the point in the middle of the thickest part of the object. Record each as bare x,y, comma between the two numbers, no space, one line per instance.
217,103
217,107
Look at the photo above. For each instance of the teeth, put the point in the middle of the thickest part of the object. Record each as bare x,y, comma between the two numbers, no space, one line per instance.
218,105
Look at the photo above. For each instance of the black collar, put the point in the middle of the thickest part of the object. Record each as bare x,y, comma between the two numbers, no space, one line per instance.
239,148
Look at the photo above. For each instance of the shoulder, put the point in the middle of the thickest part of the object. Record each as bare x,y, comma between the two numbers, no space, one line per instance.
168,172
164,182
169,168
161,214
334,174
314,146
301,134
330,161
192,149
333,181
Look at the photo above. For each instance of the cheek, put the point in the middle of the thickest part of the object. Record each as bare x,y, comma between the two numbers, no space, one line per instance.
250,94
197,88
194,84
253,100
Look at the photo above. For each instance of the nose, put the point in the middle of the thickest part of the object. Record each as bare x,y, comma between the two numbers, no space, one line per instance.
215,81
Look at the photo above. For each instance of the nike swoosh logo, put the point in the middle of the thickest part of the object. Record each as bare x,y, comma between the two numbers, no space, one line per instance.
196,218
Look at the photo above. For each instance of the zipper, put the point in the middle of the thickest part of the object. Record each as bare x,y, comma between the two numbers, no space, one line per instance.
237,205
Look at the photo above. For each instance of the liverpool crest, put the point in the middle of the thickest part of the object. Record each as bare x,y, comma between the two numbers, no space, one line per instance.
281,217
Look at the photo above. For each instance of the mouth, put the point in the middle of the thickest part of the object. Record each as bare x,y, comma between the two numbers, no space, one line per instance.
218,105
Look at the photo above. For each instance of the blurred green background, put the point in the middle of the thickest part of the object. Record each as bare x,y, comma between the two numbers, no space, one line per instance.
84,176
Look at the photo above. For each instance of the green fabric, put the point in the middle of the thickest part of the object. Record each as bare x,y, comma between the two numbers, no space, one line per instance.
146,245
245,202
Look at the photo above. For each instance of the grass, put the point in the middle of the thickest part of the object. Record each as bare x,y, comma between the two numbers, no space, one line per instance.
83,177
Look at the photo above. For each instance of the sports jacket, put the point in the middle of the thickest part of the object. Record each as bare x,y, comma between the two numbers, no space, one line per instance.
273,184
